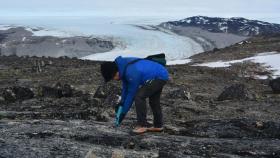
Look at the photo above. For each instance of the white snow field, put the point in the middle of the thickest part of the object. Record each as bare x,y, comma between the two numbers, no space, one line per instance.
270,59
5,27
178,62
130,40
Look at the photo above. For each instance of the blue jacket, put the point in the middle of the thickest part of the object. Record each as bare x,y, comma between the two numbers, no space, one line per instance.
135,76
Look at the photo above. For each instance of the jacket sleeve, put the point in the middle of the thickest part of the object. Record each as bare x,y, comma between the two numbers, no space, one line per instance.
132,88
124,92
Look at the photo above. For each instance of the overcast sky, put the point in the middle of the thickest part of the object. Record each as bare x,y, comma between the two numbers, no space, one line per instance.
268,10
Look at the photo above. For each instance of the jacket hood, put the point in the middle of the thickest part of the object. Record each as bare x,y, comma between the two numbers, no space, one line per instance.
122,62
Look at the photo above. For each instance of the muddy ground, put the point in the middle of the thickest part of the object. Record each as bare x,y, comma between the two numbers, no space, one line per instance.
59,107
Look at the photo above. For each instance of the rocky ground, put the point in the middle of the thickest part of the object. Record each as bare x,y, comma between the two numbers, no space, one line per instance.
208,40
59,107
244,49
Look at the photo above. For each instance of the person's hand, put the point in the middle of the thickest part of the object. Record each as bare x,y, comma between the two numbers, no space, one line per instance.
119,116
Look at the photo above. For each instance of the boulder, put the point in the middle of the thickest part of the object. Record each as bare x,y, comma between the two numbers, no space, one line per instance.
235,92
57,91
275,85
47,91
13,94
9,95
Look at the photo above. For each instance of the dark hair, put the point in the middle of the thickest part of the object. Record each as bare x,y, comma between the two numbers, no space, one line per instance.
108,70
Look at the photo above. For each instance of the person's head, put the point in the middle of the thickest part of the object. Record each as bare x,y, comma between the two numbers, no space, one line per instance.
109,71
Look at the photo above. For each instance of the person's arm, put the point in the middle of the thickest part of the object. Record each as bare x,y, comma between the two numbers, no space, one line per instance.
131,90
124,92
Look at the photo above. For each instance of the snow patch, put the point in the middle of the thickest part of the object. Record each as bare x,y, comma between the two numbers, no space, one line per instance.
64,41
5,27
217,64
225,28
178,62
186,21
257,29
4,45
262,23
270,59
168,26
48,32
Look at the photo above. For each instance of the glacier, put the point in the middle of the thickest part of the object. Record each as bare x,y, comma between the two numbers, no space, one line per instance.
130,40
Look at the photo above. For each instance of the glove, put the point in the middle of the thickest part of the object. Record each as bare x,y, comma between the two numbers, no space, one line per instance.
117,107
119,116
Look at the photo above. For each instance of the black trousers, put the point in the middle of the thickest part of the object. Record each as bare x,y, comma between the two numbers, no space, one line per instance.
151,90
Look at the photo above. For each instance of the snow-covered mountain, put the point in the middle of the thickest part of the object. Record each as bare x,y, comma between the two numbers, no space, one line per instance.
237,26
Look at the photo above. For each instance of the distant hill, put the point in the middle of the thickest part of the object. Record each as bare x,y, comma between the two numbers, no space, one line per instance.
22,41
237,26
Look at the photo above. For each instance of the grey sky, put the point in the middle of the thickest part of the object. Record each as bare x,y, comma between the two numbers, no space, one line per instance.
257,9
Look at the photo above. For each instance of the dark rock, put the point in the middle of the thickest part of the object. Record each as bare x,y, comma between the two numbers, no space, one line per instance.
112,100
17,93
232,128
50,92
101,92
215,49
23,93
2,37
109,92
102,116
237,91
43,134
67,90
179,92
58,91
105,90
275,85
172,154
9,95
